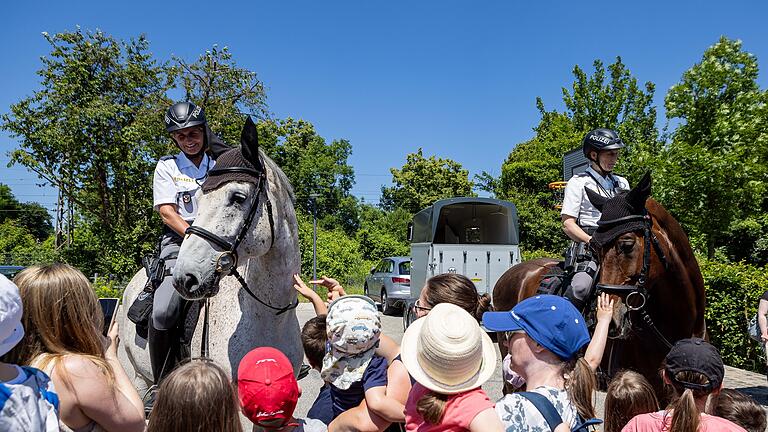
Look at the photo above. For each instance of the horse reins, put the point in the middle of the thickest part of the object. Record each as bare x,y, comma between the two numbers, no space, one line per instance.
639,289
226,262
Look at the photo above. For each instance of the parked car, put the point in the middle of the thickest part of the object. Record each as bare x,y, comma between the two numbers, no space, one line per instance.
10,271
389,283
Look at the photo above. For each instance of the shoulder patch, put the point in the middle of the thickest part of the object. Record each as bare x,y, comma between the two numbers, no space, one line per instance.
168,157
581,174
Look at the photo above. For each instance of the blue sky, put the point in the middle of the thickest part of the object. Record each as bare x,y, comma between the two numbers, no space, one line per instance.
457,78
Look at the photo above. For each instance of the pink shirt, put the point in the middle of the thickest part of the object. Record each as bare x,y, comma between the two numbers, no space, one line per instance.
459,411
662,420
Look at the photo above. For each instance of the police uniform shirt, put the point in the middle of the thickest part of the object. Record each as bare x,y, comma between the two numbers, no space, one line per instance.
575,200
177,181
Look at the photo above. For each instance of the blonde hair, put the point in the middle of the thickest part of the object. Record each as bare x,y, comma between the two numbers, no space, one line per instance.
628,395
580,383
685,413
198,396
61,317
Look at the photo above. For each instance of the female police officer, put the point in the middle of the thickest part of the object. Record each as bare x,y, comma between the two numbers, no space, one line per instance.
176,190
579,216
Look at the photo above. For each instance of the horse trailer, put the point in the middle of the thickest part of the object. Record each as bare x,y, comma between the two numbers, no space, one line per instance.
475,237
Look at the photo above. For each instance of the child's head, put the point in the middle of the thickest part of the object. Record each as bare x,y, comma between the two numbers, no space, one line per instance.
314,337
353,327
448,353
61,314
694,370
628,395
740,409
267,388
11,309
196,396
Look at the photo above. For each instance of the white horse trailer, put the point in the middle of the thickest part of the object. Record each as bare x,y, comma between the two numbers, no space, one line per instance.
475,237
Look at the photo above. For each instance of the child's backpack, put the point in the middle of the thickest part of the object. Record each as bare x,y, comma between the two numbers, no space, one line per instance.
552,417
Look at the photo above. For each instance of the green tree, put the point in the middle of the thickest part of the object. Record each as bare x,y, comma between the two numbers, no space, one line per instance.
715,166
19,247
614,101
93,130
383,233
33,216
422,181
314,166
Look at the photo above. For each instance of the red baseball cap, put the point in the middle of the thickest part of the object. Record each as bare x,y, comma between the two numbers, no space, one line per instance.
267,388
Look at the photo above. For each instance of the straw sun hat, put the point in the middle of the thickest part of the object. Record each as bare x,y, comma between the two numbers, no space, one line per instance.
447,352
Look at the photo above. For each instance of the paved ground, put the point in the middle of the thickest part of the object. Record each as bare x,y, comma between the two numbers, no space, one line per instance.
747,382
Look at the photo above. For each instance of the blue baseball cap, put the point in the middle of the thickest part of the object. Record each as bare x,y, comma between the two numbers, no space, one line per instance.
552,321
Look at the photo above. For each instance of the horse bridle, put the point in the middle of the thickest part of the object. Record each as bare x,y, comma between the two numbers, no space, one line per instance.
226,263
639,289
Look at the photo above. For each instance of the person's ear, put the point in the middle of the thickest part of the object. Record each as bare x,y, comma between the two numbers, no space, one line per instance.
299,391
665,378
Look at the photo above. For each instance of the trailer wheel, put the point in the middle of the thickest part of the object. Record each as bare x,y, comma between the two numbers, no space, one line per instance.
408,314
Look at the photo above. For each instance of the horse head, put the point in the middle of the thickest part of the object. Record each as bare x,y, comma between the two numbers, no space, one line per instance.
630,257
234,221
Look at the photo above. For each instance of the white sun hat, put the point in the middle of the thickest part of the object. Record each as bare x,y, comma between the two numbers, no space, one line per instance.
11,329
447,351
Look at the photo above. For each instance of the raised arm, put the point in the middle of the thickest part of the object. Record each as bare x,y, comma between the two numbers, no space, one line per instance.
596,347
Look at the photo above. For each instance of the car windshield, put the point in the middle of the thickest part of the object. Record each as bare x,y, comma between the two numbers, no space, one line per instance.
405,268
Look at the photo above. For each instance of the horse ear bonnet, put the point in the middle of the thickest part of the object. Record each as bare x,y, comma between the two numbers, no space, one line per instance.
622,205
246,156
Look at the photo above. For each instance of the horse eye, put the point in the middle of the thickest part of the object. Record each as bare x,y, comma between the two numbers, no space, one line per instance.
626,246
238,197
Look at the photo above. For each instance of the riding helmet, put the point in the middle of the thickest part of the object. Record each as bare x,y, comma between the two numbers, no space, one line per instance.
601,139
183,115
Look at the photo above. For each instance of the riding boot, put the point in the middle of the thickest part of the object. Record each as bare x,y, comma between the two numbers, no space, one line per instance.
161,355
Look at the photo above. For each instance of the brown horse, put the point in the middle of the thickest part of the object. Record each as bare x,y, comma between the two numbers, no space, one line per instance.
648,268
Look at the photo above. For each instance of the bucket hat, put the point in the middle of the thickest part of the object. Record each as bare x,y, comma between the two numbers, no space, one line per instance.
447,351
11,309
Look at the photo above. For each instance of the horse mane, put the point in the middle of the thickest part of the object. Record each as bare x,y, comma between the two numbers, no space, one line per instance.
279,174
680,247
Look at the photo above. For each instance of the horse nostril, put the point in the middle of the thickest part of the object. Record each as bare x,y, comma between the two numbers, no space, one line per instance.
190,282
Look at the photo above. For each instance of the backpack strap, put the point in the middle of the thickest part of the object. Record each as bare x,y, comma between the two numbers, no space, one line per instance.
545,407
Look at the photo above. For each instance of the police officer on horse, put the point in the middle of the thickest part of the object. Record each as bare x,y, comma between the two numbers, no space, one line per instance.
601,147
176,189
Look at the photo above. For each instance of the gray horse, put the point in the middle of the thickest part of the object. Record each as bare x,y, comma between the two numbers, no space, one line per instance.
246,225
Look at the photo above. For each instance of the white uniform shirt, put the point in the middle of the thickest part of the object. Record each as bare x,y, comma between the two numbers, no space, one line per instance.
576,202
177,181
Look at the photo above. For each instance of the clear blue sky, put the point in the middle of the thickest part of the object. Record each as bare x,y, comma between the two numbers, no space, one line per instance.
458,78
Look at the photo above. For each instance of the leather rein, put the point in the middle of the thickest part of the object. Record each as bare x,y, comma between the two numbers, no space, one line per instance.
226,262
639,289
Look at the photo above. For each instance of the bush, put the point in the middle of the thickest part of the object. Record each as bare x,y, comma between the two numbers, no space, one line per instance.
732,292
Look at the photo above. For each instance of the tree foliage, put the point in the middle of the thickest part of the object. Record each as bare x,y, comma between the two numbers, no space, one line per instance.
715,167
422,181
32,216
93,131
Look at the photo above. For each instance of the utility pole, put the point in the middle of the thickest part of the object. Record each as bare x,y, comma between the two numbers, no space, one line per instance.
313,197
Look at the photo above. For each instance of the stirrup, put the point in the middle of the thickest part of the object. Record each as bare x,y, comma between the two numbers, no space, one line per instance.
149,400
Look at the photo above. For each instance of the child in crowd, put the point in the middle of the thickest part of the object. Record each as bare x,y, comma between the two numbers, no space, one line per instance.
313,338
27,400
350,366
63,321
268,392
739,408
629,394
450,357
197,396
694,370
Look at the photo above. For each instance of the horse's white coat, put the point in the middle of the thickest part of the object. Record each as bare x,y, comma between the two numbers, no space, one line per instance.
237,322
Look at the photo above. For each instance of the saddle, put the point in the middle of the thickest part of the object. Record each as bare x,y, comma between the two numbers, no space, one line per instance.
555,280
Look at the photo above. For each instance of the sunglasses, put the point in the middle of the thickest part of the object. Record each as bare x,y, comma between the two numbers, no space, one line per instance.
418,307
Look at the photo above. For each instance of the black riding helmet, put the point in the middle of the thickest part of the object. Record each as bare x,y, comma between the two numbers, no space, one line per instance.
600,140
183,115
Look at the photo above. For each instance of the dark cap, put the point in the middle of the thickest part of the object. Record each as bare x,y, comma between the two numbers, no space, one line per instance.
695,355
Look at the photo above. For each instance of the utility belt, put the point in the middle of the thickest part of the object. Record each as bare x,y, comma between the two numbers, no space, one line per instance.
579,252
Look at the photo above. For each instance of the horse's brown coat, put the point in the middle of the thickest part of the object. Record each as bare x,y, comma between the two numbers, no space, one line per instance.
676,295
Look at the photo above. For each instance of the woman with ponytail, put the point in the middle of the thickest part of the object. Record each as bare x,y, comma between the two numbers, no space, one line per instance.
544,336
694,370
